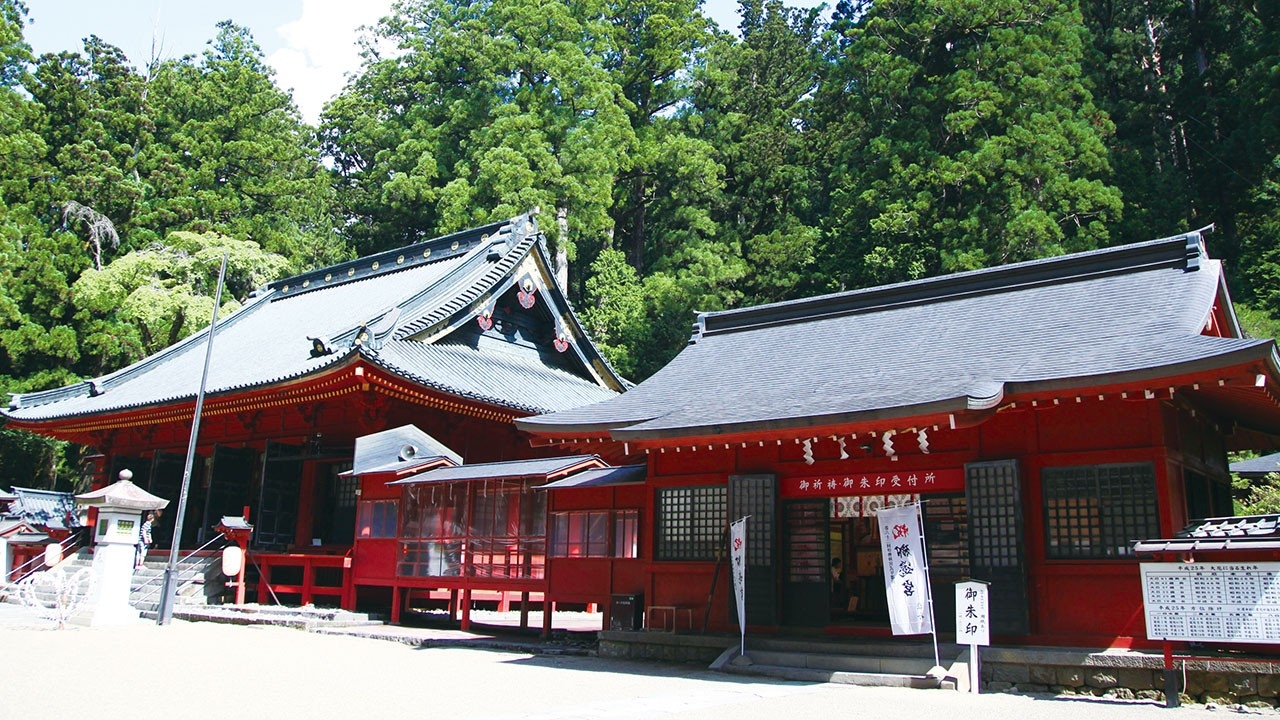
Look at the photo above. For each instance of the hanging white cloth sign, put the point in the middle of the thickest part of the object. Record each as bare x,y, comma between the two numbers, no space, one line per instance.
738,565
905,577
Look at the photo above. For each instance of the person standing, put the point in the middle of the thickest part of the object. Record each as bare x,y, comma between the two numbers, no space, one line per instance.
144,539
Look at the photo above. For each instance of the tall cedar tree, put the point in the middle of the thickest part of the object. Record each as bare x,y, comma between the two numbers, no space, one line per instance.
973,139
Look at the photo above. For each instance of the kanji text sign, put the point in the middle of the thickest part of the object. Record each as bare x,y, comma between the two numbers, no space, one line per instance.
1219,602
973,616
881,483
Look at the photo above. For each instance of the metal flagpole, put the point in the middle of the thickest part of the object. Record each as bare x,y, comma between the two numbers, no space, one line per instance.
169,591
933,616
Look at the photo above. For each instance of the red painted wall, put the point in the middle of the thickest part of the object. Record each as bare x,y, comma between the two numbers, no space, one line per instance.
1086,602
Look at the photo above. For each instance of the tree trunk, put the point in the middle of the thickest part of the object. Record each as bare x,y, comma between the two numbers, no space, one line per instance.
562,253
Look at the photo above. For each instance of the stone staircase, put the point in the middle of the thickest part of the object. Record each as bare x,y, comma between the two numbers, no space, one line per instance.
851,662
199,582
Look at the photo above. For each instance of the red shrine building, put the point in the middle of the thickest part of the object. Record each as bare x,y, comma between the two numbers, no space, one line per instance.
1046,414
432,425
452,339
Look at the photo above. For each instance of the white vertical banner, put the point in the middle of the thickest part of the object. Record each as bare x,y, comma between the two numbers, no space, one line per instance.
738,567
905,577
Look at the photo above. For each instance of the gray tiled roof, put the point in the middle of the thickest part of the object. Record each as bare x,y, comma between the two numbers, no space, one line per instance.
478,375
538,467
393,294
950,344
1257,467
398,449
45,508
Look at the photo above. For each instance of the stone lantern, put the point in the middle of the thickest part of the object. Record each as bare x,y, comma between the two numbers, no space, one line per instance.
120,508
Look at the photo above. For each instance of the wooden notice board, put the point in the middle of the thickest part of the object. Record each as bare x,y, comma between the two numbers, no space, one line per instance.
1214,602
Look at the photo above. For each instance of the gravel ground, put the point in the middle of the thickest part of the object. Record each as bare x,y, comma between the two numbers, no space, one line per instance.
207,670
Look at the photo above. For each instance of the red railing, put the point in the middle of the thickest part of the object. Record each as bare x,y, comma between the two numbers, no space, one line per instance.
307,590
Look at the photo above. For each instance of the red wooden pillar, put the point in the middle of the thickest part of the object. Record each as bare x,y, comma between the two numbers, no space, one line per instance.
264,581
548,608
524,609
466,608
395,604
348,585
308,579
306,505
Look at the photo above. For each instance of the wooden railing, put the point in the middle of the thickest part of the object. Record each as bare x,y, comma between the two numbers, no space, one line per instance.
306,589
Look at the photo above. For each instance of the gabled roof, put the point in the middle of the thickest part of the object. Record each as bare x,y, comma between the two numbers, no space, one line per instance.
536,469
405,450
963,343
401,310
1257,467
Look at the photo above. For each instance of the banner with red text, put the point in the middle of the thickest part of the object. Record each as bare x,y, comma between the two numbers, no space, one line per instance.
905,578
738,564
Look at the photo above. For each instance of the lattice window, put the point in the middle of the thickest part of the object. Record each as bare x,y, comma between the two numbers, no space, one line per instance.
994,520
1097,511
344,488
754,495
691,522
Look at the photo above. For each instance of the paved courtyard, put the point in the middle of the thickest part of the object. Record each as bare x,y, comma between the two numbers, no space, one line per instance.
208,670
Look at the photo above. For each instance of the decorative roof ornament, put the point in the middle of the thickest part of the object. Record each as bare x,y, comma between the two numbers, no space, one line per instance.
527,294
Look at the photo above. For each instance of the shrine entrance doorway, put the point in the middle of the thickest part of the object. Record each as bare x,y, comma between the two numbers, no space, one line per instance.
805,562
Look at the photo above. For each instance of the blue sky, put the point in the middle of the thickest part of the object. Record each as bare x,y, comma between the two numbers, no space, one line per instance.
310,43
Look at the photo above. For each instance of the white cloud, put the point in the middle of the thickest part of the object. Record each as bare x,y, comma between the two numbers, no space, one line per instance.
320,50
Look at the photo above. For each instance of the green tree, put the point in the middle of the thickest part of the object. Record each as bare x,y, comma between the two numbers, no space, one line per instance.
151,298
495,108
664,197
96,128
233,157
754,100
971,138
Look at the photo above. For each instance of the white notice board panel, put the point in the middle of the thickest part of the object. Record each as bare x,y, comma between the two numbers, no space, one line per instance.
1217,602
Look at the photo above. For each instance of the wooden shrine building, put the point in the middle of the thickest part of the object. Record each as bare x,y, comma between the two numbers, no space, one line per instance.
1048,414
457,336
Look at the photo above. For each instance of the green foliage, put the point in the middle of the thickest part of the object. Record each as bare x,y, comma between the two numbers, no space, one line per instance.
696,170
488,110
1259,497
1257,322
972,139
160,294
